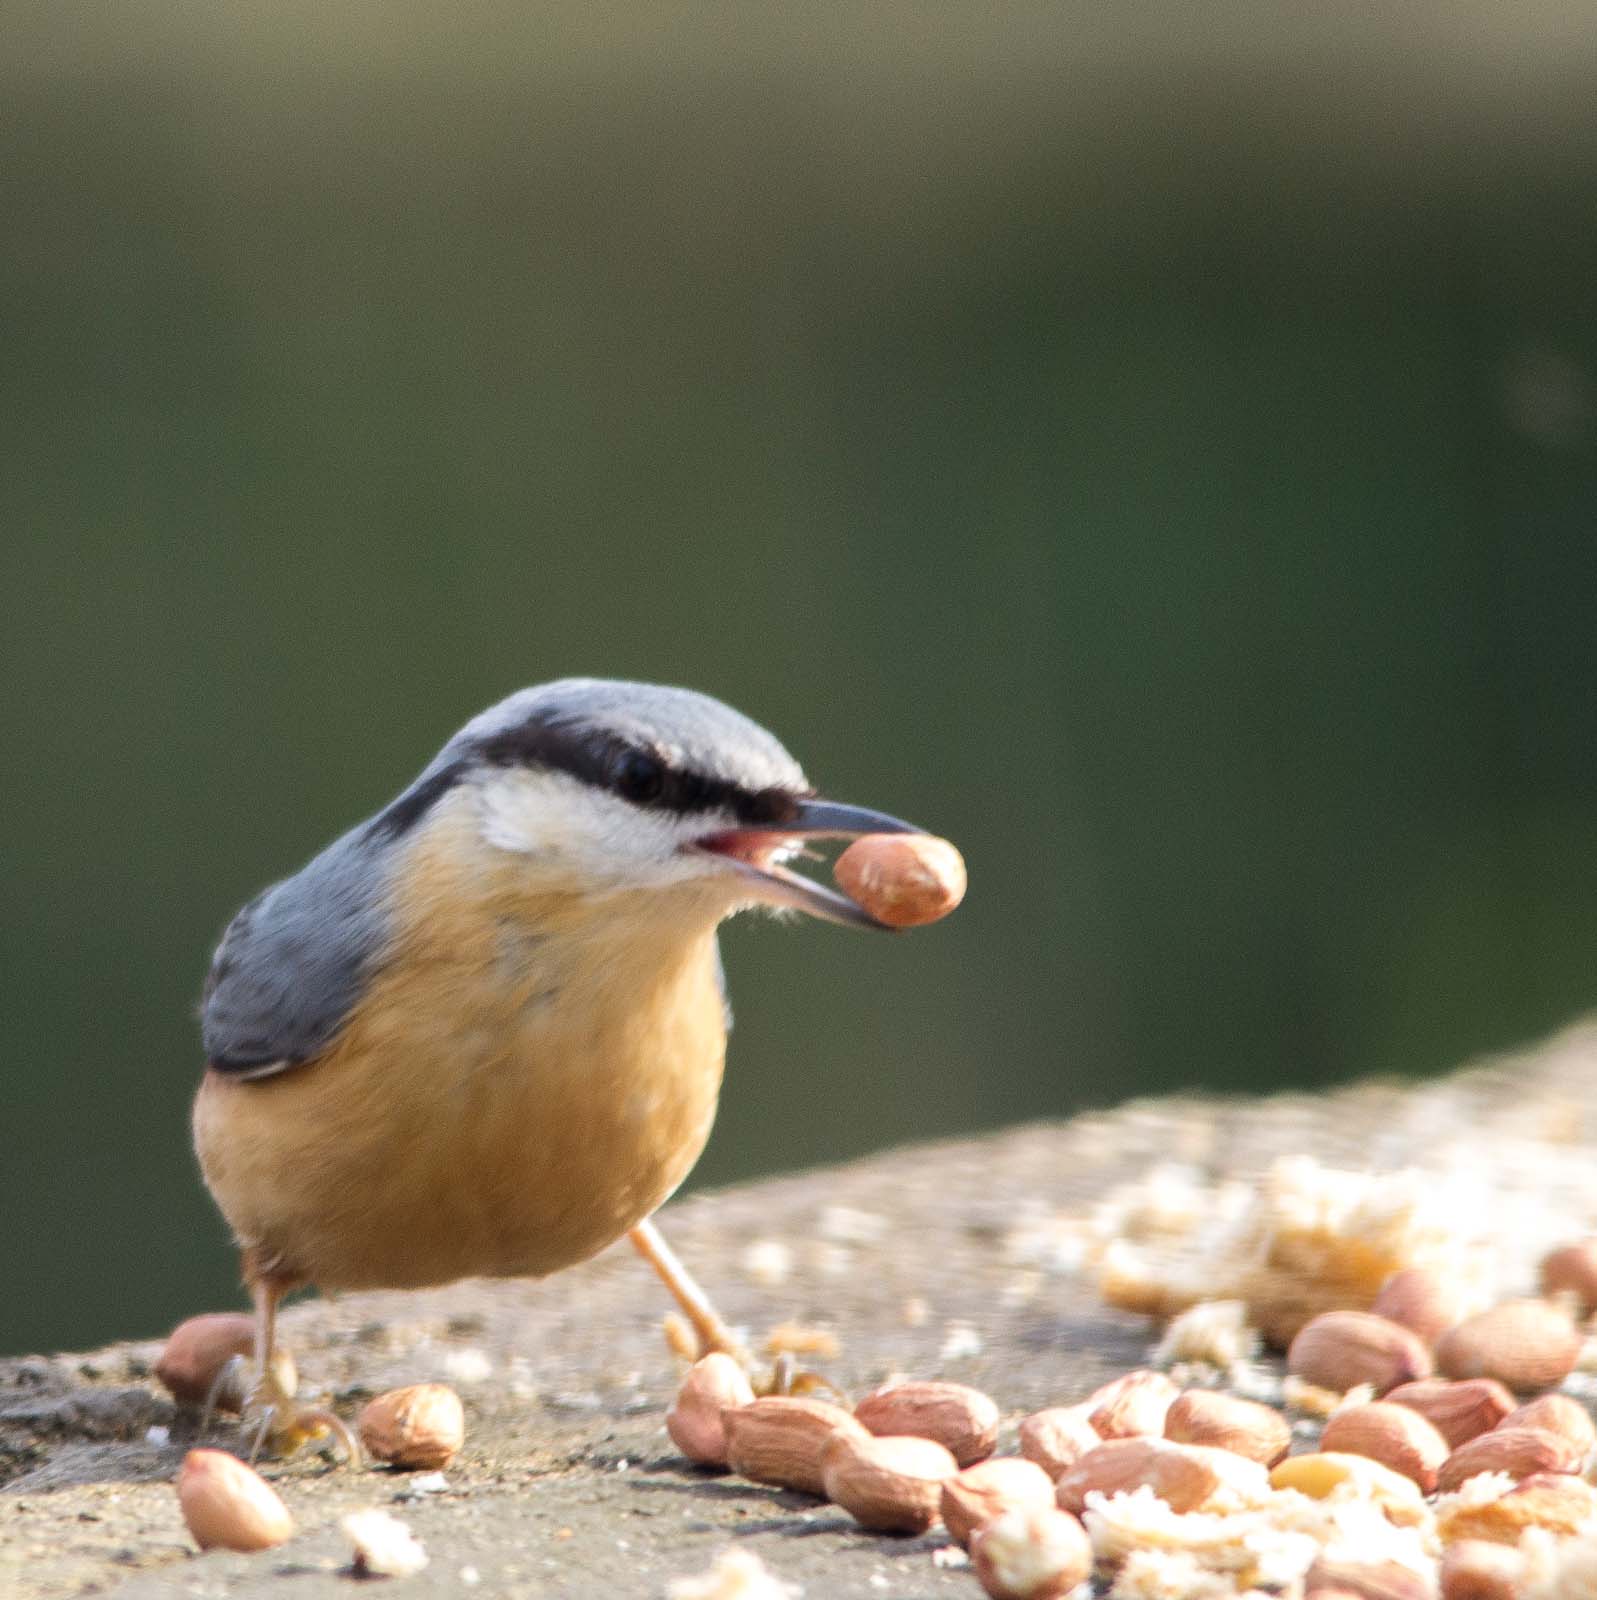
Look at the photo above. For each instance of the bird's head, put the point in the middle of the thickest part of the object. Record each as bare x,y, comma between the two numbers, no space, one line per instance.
598,787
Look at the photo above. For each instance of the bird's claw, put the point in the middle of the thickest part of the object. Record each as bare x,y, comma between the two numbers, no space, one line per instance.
269,1415
786,1377
287,1431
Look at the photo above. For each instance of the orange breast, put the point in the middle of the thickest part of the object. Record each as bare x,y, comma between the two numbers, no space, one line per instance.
523,1082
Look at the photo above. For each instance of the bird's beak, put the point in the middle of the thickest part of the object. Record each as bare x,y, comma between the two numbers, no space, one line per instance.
756,854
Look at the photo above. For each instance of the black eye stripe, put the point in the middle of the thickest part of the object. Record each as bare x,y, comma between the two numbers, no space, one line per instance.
773,806
640,777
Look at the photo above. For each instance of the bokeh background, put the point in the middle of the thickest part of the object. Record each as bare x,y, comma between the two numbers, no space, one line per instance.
1155,445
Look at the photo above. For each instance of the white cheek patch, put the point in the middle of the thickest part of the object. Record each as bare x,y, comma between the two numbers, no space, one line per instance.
542,815
571,827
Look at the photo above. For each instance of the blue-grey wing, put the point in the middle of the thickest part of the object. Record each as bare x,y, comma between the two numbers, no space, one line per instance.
291,966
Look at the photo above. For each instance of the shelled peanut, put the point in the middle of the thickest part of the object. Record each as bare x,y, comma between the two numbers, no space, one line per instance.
695,1421
961,1419
1247,1427
423,1425
891,1483
1339,1350
1391,1434
196,1351
902,879
228,1505
977,1494
779,1439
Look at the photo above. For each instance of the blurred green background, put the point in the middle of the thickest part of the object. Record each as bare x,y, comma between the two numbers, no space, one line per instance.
1154,445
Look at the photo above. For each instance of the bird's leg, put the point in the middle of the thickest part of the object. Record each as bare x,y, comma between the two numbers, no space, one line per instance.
710,1328
269,1401
712,1331
269,1413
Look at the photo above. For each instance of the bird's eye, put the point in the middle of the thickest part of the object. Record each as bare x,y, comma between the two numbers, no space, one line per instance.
639,777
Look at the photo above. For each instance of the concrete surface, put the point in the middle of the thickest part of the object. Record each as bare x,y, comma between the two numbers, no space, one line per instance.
568,1485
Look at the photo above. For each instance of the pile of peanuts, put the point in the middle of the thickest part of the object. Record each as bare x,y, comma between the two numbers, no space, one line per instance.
1447,1465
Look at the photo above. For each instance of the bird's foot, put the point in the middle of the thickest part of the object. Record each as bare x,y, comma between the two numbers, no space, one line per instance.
788,1378
699,1330
271,1419
783,1377
284,1430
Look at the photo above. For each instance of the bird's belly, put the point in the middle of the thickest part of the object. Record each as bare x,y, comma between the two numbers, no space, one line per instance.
460,1138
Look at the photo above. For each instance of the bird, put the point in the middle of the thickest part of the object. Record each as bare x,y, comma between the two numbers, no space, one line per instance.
483,1032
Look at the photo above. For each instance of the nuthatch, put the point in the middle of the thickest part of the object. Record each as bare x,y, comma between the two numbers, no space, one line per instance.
482,1034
